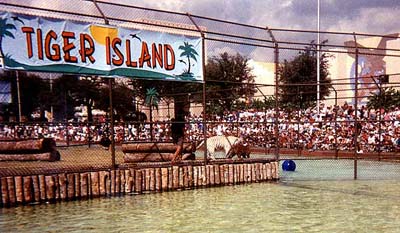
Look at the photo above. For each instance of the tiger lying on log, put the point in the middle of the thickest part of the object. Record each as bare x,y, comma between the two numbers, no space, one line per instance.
231,145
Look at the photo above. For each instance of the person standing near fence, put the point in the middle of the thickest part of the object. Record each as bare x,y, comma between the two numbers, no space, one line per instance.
178,133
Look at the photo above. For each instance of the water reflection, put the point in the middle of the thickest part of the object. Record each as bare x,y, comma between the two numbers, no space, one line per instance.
301,206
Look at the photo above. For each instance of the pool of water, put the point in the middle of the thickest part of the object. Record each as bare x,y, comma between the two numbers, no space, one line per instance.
286,206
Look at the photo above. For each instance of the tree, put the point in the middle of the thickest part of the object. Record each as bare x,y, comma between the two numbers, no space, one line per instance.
302,70
229,79
63,101
35,95
123,103
387,98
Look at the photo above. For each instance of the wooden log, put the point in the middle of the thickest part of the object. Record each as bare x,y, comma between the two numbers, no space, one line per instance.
253,172
103,181
190,176
181,177
195,176
152,157
11,191
158,179
57,187
150,147
203,176
5,197
236,173
71,186
45,156
132,175
263,172
108,184
84,185
276,170
19,193
175,175
50,188
164,179
128,181
113,182
208,174
123,181
269,173
212,175
62,179
27,146
36,188
42,184
117,189
152,180
138,181
217,174
27,189
94,184
230,174
77,179
241,173
226,175
185,180
170,178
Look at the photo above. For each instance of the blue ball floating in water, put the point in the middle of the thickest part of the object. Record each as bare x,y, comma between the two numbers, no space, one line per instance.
289,165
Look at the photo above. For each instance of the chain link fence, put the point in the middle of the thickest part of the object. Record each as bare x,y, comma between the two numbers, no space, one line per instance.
330,140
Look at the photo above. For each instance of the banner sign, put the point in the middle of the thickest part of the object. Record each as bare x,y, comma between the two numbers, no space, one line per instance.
34,43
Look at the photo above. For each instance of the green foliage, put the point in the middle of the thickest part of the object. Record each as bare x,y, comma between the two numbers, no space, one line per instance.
228,80
303,70
388,98
152,98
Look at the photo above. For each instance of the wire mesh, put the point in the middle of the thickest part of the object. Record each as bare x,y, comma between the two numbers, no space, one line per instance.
330,141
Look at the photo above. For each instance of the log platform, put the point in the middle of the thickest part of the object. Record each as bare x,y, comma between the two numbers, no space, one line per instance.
55,187
135,152
43,149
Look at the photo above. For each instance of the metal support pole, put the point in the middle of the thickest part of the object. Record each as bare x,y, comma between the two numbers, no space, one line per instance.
335,111
318,58
113,164
111,101
356,108
276,61
19,97
204,86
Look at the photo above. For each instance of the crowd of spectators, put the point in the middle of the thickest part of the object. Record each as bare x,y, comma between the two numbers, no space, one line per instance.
333,127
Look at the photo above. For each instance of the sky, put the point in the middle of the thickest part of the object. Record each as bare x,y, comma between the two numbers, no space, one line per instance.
364,16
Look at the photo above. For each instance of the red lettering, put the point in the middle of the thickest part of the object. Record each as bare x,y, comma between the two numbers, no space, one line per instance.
169,65
28,31
129,61
145,56
68,46
51,35
39,43
108,52
117,42
157,55
87,52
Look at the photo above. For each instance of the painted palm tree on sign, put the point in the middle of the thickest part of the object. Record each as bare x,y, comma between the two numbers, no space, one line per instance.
152,100
190,53
5,30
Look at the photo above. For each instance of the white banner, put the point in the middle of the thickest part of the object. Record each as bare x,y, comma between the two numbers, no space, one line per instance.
42,44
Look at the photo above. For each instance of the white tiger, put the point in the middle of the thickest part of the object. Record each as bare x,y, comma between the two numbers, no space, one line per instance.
231,145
